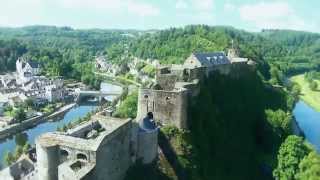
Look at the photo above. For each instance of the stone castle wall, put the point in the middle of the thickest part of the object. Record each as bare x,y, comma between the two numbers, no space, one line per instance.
168,107
147,150
175,88
113,155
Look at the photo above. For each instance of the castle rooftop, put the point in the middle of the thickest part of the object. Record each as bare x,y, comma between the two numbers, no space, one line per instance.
77,137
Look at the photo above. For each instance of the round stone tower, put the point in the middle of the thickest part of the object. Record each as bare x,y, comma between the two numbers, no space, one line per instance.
47,159
147,140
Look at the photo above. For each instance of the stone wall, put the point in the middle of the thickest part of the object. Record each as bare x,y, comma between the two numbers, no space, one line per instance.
176,86
113,155
147,146
47,161
166,81
168,107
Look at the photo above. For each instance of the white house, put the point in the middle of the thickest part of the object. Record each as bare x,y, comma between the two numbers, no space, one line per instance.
26,70
54,94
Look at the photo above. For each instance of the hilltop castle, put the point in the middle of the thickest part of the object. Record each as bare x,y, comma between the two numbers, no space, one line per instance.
168,100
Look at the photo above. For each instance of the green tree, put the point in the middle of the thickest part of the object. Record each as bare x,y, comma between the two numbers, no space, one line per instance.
296,90
8,108
26,148
149,70
276,75
18,152
21,139
309,167
313,85
291,153
29,103
280,121
8,158
19,114
128,108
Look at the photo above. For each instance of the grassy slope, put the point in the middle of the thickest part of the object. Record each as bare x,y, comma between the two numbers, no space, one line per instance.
310,97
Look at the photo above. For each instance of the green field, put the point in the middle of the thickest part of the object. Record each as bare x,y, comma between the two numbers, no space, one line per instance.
310,97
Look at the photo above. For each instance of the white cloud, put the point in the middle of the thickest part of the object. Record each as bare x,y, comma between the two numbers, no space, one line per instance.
197,5
20,12
265,11
228,7
203,5
272,15
142,9
114,6
181,4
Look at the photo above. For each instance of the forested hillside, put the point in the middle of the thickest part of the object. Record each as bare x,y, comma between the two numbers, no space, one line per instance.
292,51
62,51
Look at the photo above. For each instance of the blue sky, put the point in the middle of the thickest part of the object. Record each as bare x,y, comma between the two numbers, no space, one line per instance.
251,15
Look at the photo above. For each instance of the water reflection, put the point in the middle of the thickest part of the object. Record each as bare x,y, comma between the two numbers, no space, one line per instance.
308,120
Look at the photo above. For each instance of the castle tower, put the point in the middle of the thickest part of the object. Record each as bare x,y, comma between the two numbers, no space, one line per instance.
168,107
232,52
147,140
47,159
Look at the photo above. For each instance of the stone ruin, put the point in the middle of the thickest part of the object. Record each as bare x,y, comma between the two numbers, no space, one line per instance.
102,149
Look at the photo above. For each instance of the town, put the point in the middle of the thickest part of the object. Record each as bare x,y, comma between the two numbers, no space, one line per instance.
27,87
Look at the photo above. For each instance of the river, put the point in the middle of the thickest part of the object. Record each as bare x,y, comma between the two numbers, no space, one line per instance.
308,120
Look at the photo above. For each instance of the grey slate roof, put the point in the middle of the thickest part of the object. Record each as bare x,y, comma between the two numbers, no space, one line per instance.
210,59
34,64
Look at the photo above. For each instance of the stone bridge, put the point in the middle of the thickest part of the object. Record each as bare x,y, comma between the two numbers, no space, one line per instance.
98,94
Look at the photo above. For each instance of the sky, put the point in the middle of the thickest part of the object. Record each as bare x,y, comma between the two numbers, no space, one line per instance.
250,15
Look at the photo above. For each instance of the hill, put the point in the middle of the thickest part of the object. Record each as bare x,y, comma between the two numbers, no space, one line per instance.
293,51
63,51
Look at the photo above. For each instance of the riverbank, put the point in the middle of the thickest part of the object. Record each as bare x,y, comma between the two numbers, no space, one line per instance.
16,128
312,98
120,80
